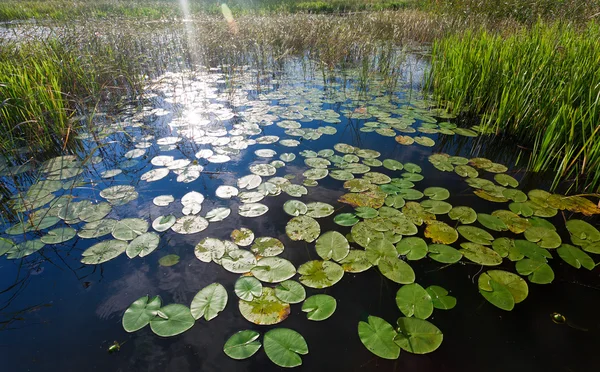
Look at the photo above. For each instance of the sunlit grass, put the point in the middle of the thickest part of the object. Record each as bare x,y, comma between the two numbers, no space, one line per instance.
541,85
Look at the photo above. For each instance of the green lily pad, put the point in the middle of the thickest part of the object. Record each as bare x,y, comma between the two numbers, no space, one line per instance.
290,291
538,272
163,223
267,247
414,248
265,309
104,251
248,287
57,236
143,245
320,274
273,270
295,207
480,254
140,313
502,289
466,215
171,320
242,345
379,248
575,257
346,219
242,237
25,249
545,238
443,253
412,299
392,164
418,336
441,299
319,209
303,228
437,193
378,337
209,302
209,249
355,262
436,206
319,307
332,245
491,222
396,270
475,235
366,212
169,260
283,346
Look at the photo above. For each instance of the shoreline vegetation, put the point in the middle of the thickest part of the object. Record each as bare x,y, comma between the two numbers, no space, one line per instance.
528,69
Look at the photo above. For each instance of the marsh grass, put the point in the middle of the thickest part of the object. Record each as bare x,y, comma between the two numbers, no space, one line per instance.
540,85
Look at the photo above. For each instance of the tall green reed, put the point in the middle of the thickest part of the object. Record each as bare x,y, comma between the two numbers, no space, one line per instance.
540,85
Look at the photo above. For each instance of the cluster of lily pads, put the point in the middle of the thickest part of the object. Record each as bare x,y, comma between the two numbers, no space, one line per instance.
387,221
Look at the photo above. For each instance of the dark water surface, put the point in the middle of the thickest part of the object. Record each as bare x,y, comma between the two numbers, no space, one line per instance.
63,316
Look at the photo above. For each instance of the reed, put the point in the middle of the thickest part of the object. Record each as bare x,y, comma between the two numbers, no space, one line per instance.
540,85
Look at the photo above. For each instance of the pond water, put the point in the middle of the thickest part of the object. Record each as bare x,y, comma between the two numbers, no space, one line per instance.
198,131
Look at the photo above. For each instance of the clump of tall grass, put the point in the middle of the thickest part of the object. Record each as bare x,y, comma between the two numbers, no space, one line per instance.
540,85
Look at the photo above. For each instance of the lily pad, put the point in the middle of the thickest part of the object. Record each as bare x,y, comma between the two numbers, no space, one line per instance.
437,193
140,313
418,336
320,274
414,300
443,253
440,297
171,320
378,337
332,245
265,309
475,235
290,291
480,254
346,219
319,307
575,257
104,251
129,228
169,260
163,223
414,248
242,345
209,302
465,215
284,346
25,249
319,209
273,270
303,228
440,232
355,262
143,245
502,289
538,272
396,270
189,225
252,210
56,236
248,287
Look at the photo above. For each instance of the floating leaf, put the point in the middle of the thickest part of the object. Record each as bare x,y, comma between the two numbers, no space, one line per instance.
332,245
218,214
248,287
25,249
273,270
575,257
413,248
242,345
169,260
252,210
396,270
437,193
226,192
379,248
502,289
282,346
242,237
303,228
56,236
319,307
143,245
265,309
440,232
320,274
290,291
129,228
209,302
346,219
355,262
140,312
440,298
538,272
171,320
209,249
465,215
104,251
480,254
412,299
544,237
418,336
189,225
491,222
163,223
443,253
378,337
319,209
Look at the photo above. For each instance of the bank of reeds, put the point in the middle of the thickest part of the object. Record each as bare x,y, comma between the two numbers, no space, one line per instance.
540,85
